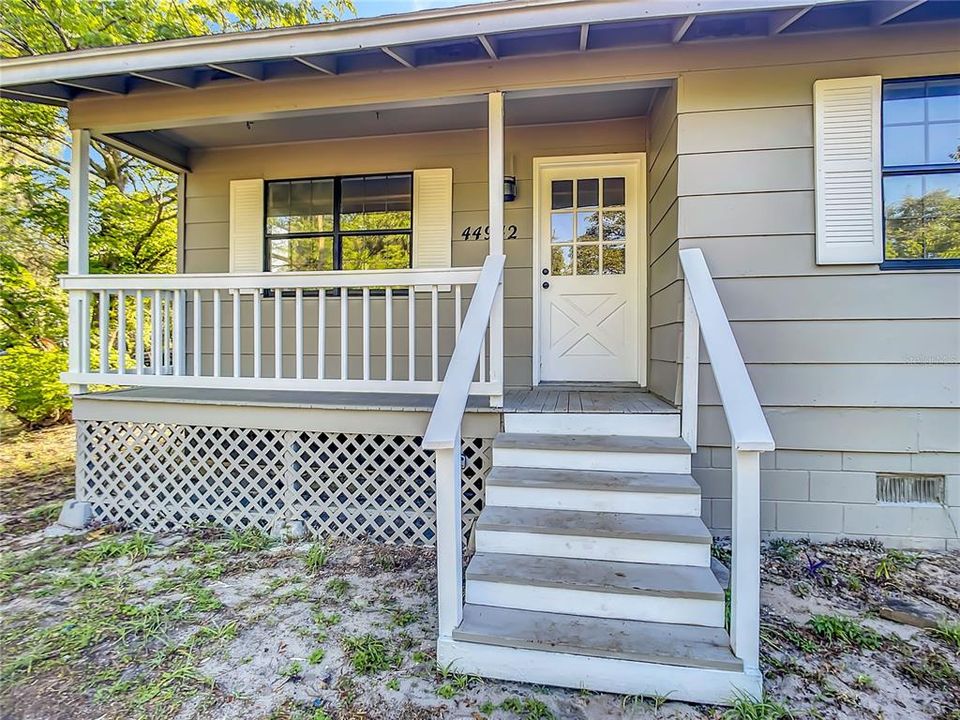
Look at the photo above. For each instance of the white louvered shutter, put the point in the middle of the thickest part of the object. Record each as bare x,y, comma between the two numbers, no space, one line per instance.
432,218
246,226
848,176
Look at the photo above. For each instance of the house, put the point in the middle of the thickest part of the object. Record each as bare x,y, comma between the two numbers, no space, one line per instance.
546,274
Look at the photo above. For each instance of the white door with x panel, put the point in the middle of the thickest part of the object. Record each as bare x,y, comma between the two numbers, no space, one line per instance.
588,282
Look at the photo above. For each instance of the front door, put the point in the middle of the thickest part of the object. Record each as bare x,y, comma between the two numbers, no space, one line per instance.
589,235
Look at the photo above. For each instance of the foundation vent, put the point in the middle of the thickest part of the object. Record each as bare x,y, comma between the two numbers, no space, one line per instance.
910,489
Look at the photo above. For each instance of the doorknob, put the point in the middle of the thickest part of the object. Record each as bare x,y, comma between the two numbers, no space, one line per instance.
545,285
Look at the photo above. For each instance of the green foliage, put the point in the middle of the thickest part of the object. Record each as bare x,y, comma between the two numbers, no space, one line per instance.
251,539
32,311
949,632
891,563
844,631
30,387
338,587
748,708
924,227
316,657
291,671
370,654
136,547
316,557
931,669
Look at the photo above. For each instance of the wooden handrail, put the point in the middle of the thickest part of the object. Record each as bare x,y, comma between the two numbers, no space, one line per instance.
444,425
748,426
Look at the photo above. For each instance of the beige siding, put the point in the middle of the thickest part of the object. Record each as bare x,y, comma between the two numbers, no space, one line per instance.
665,287
858,369
206,243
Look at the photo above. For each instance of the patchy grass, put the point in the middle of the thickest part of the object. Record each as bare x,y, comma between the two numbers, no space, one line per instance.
841,630
748,708
36,477
371,654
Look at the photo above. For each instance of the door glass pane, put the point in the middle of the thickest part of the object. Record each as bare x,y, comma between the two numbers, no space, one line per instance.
561,260
301,254
376,202
561,227
614,226
561,194
614,192
587,230
588,259
588,193
614,259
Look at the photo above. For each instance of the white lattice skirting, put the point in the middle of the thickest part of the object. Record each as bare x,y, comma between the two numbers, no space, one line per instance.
163,476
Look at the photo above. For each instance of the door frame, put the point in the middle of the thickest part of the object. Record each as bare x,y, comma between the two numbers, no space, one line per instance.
638,160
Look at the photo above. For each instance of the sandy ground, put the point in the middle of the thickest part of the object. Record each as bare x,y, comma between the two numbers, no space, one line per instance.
114,624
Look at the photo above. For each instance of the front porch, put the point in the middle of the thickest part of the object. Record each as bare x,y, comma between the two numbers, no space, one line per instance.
284,382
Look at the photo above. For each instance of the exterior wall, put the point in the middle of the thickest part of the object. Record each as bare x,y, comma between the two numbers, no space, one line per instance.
207,203
857,368
665,287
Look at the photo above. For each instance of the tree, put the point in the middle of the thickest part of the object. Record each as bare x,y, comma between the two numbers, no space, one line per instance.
133,203
924,227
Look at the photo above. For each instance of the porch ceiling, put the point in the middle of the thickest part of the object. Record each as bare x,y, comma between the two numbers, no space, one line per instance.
464,113
479,33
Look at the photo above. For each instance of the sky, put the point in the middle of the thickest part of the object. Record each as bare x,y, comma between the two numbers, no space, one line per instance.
372,8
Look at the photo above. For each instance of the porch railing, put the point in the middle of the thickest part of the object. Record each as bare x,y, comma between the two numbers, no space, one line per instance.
703,315
384,331
443,436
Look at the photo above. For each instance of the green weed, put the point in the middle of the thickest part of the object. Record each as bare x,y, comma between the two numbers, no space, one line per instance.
316,657
370,654
746,707
949,632
316,557
931,669
251,539
844,631
338,587
891,563
326,619
292,671
402,618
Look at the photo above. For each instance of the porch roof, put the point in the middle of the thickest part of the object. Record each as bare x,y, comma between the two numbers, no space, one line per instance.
475,33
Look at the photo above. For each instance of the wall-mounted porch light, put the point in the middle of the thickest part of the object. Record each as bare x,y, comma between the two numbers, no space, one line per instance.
509,188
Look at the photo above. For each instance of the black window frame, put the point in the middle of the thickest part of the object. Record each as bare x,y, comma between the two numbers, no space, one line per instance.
336,234
907,170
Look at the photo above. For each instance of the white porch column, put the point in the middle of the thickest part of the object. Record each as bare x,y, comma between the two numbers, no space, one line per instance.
495,187
78,258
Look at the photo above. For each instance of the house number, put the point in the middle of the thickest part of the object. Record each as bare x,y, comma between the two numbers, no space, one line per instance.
483,233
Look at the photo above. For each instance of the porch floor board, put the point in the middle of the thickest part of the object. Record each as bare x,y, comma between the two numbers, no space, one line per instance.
542,399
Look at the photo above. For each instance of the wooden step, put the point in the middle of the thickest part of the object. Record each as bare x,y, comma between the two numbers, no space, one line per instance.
623,537
592,452
593,490
600,480
638,641
662,424
591,443
599,588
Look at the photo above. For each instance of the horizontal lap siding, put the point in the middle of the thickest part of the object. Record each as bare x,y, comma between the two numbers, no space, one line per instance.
207,250
663,215
858,370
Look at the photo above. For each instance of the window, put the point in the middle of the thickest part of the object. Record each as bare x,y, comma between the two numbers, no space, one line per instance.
348,223
921,172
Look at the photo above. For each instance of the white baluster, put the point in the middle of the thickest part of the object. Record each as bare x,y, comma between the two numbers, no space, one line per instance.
217,331
139,339
388,322
411,333
156,321
121,332
104,331
434,333
366,333
344,299
278,333
456,313
298,322
321,332
257,332
236,333
197,334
